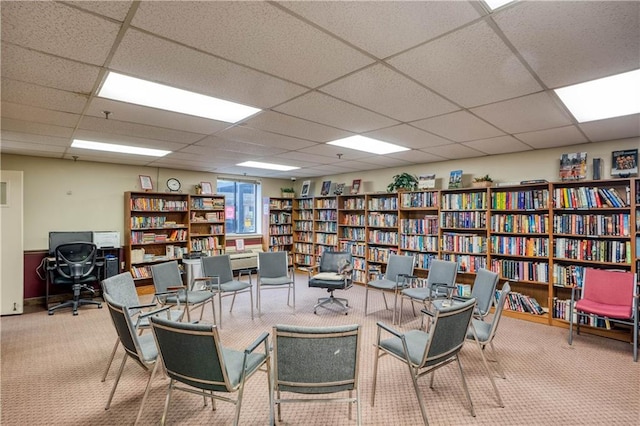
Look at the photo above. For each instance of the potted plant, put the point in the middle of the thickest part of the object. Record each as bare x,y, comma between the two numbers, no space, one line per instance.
198,189
287,192
482,182
403,181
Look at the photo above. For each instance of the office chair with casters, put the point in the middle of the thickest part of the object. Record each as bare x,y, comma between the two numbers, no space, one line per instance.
609,297
334,272
76,265
484,291
441,282
425,352
274,273
142,349
314,361
122,289
218,276
196,362
485,331
169,290
398,276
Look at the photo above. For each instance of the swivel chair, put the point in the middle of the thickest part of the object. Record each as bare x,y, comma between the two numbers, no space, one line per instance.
76,265
335,272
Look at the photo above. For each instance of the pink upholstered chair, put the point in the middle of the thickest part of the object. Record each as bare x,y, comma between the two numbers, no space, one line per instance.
607,295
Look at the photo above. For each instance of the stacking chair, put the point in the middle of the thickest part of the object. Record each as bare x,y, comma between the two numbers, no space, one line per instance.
441,282
77,266
607,296
314,361
425,352
275,273
122,289
484,291
219,277
484,332
170,290
334,272
398,276
142,349
197,362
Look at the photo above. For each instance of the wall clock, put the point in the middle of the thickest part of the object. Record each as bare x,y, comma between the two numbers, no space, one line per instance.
173,184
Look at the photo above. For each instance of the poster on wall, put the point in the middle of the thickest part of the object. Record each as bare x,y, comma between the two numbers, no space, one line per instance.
573,166
455,179
624,163
305,188
427,181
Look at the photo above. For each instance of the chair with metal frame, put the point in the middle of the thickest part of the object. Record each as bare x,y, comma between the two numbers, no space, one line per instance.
398,276
196,362
334,272
275,273
313,361
484,291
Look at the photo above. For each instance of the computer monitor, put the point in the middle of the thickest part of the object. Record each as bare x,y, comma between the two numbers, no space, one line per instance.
63,237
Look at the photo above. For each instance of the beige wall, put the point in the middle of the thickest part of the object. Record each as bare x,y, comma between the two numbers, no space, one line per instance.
63,195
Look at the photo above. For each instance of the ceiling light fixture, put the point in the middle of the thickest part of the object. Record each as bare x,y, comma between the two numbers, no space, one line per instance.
124,149
146,93
606,97
494,4
363,143
269,166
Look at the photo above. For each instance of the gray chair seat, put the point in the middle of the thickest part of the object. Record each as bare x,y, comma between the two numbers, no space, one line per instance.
275,281
195,297
234,359
233,286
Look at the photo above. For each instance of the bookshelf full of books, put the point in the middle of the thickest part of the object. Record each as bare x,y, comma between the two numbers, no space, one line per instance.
277,226
381,229
419,226
207,224
325,225
303,232
352,232
157,230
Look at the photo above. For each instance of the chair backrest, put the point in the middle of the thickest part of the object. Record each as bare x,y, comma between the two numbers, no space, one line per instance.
272,264
399,265
314,360
218,266
332,261
122,289
442,272
448,332
76,260
166,275
124,327
484,289
497,314
609,287
202,365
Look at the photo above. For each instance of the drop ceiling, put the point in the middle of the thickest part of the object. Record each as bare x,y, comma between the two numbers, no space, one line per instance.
447,79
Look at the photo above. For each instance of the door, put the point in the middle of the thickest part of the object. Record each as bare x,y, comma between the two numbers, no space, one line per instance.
11,246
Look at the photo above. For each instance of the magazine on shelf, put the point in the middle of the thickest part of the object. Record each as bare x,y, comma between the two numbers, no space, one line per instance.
573,166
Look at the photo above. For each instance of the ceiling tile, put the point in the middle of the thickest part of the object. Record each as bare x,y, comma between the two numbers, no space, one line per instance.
113,9
30,138
91,135
238,146
128,129
407,136
106,157
383,161
568,42
499,145
332,152
247,134
10,146
385,28
283,124
304,158
146,56
473,67
454,151
229,151
459,126
418,156
57,29
39,115
256,34
551,138
29,127
43,97
326,110
383,90
525,114
612,128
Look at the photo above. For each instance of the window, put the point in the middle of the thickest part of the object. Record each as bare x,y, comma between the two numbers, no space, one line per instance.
241,205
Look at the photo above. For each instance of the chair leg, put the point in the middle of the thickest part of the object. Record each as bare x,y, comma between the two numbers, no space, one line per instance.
251,301
115,384
166,403
113,354
146,391
466,389
490,374
497,361
375,371
414,379
366,299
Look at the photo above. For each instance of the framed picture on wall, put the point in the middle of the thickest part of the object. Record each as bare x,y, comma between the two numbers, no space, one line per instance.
355,186
624,163
455,179
145,183
306,185
207,189
326,186
573,166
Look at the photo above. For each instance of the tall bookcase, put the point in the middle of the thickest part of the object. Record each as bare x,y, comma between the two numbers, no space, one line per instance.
419,226
207,224
303,232
352,232
277,227
382,229
157,230
325,225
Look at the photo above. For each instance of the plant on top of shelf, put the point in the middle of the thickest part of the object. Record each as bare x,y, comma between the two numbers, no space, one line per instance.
403,181
482,181
287,192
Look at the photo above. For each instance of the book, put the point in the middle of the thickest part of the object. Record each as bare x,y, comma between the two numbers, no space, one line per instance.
573,166
455,179
427,181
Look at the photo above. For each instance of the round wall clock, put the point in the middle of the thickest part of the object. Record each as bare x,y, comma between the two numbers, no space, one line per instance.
173,184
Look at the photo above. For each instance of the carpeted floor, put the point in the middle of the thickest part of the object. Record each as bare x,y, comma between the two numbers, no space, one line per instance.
51,369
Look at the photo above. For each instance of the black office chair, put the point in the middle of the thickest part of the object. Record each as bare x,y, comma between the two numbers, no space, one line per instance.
335,272
76,265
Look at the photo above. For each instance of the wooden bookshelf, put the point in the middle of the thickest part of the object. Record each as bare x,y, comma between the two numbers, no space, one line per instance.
303,253
325,225
382,229
277,225
352,232
419,227
207,232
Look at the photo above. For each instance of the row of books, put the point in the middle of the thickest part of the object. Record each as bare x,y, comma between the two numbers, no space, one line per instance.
520,246
519,302
466,262
562,310
326,215
383,203
520,200
280,229
326,203
419,242
355,234
524,270
204,244
304,259
423,260
157,205
382,237
275,204
304,248
304,237
282,240
353,204
353,220
388,220
280,218
419,200
520,223
305,203
303,226
593,224
590,197
465,201
379,254
138,237
148,222
472,219
356,248
593,250
327,227
466,243
207,203
326,239
305,215
423,226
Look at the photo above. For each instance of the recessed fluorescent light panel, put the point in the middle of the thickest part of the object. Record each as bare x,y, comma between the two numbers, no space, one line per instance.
123,149
269,166
494,4
607,97
141,92
363,143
